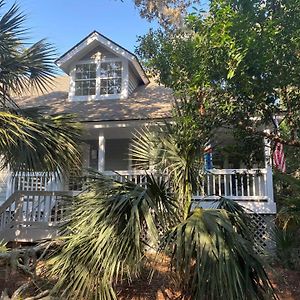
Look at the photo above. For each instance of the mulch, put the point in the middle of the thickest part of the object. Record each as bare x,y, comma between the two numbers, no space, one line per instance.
286,283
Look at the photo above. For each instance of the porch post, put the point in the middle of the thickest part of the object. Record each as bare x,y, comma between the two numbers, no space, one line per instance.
268,166
101,151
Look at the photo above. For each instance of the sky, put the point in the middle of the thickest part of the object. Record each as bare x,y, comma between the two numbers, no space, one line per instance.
65,22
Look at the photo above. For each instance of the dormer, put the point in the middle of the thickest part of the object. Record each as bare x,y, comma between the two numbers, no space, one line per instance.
101,69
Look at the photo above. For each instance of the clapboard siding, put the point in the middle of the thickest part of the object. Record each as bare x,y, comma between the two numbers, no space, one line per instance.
133,81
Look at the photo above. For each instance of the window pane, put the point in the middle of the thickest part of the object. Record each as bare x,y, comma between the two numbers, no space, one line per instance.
114,86
85,71
111,69
85,87
111,78
78,88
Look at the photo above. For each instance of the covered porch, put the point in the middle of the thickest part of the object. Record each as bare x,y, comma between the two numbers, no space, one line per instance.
33,204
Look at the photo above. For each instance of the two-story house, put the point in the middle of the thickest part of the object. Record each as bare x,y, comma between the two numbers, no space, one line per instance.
108,90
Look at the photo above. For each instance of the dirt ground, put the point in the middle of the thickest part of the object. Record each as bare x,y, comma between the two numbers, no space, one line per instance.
286,284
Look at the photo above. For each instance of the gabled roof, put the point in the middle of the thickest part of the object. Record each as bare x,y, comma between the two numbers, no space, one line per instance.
93,40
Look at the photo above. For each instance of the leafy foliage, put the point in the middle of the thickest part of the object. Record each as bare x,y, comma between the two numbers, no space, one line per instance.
30,139
214,261
287,189
105,244
22,68
40,142
169,13
239,63
112,224
3,247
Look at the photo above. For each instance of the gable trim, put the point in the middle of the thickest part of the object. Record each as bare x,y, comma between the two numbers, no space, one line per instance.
96,36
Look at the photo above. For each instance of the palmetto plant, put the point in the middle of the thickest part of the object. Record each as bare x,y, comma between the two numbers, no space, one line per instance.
105,245
30,140
113,224
213,261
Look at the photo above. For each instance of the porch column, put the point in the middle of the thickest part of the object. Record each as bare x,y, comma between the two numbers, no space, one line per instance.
268,166
267,150
101,151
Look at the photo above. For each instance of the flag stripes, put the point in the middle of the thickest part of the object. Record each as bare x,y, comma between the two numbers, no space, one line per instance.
279,157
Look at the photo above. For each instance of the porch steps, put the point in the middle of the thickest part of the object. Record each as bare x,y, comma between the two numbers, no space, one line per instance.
30,216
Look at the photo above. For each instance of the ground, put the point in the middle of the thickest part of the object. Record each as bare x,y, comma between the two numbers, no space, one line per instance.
286,283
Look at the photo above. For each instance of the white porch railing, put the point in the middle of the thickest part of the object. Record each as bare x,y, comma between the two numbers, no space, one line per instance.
31,215
136,176
251,188
32,211
236,184
32,181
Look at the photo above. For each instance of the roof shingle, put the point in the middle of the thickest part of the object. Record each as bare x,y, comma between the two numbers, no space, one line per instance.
146,102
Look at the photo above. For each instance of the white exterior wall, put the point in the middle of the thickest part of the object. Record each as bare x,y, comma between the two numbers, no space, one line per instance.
132,82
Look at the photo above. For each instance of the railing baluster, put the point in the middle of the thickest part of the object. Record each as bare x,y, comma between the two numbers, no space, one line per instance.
248,185
231,177
50,207
236,185
254,184
208,185
55,210
242,184
265,184
220,191
225,185
259,185
214,184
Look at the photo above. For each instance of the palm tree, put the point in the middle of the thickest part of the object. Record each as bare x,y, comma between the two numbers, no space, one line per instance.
30,140
112,225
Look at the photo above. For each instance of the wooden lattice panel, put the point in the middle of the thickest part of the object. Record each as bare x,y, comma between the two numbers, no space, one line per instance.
262,232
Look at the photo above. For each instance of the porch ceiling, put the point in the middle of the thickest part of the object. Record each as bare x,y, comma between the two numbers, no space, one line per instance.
110,133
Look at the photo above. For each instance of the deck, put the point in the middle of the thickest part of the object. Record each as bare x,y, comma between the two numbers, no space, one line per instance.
35,203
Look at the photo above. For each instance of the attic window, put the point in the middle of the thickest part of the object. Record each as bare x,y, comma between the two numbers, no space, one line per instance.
85,80
111,78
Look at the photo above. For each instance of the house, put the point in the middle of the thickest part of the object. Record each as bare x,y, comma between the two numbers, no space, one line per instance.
107,88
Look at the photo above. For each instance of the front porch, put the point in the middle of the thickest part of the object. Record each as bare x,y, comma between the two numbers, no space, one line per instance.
36,203
33,204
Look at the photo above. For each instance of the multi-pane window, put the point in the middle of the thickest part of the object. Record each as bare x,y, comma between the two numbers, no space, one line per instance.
110,78
85,80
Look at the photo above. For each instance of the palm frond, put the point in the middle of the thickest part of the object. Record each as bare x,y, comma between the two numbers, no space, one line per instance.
214,261
160,150
239,217
111,225
11,29
3,247
39,142
23,67
33,68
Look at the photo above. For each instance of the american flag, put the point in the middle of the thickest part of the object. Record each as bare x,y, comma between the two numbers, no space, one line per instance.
279,157
208,163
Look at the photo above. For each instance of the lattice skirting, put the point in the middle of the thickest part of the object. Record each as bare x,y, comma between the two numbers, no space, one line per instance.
263,228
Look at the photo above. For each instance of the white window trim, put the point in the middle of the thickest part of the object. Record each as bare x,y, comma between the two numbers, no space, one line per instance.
124,81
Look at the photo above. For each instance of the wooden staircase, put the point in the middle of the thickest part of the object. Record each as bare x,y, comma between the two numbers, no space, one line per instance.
29,216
